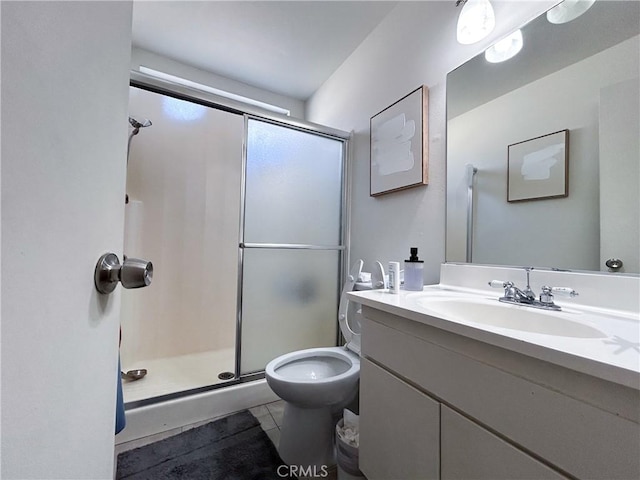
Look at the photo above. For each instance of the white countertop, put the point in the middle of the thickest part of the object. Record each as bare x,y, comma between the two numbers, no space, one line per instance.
611,353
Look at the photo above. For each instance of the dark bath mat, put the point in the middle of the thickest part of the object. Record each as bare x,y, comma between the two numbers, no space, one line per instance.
233,448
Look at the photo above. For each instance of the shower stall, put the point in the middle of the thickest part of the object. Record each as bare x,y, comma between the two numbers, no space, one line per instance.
244,218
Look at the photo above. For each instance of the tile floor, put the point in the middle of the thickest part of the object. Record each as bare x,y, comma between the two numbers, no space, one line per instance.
270,418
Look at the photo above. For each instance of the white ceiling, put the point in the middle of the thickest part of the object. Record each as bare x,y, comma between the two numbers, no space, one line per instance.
287,47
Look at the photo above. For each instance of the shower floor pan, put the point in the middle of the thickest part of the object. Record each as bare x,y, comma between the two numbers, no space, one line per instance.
177,374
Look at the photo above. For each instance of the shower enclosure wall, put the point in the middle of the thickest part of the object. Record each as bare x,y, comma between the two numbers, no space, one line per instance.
242,217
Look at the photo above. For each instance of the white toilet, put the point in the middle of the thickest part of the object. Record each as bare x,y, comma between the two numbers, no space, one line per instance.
316,384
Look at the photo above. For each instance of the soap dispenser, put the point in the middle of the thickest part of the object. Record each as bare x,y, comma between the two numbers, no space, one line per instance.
413,268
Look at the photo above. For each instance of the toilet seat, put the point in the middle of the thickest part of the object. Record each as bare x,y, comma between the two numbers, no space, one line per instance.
352,337
344,362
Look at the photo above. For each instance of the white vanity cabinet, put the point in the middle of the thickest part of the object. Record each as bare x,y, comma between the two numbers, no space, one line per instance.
401,437
435,404
468,451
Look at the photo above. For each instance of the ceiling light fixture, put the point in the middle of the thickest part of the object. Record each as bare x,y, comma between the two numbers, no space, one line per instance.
568,10
477,20
505,49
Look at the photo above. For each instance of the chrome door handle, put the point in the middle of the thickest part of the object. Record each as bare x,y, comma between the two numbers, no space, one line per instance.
133,273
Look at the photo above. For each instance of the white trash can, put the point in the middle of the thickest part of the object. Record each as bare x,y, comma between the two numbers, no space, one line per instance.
346,457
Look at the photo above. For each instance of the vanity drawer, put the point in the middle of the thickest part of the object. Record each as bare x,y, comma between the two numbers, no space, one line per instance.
399,428
576,437
469,451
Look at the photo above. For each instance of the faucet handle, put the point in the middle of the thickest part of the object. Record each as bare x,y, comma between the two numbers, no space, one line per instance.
564,291
499,284
546,297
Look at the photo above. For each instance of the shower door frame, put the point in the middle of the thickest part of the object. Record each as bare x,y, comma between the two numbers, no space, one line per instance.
344,237
181,92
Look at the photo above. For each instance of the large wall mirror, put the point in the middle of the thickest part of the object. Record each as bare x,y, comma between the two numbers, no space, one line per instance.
581,76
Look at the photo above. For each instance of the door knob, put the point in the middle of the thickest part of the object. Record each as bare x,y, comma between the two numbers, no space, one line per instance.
133,273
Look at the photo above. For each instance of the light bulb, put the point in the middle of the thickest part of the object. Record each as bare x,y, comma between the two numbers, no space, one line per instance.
505,49
477,20
568,10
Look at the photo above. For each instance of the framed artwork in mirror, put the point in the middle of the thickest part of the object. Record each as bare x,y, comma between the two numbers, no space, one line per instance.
538,168
399,135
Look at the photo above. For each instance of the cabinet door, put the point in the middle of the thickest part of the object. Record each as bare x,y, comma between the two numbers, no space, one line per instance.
399,428
469,451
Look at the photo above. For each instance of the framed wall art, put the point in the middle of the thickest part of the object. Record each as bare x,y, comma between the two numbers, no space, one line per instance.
538,168
399,136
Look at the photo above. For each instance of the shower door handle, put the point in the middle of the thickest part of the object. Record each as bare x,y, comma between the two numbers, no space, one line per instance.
133,273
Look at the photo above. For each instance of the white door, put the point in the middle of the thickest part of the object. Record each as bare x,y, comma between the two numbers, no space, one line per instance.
65,72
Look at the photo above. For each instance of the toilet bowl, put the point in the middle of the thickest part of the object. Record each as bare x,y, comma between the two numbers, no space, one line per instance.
315,378
315,385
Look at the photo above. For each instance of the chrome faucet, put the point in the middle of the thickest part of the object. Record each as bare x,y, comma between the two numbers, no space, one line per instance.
527,297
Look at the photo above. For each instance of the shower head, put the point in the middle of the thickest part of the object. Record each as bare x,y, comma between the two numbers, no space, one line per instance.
139,123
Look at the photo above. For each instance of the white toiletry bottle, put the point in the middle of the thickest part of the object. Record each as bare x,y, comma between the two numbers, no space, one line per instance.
394,277
413,268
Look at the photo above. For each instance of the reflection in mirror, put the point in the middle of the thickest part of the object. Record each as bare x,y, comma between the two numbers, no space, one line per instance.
581,76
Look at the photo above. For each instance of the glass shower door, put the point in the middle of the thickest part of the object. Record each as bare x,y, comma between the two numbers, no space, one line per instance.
292,242
184,181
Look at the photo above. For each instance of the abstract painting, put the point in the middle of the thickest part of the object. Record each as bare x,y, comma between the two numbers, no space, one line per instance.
399,134
538,168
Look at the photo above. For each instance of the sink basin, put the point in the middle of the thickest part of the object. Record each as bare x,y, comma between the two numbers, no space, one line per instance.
512,317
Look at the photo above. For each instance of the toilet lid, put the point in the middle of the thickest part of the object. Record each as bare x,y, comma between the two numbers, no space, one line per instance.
352,338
